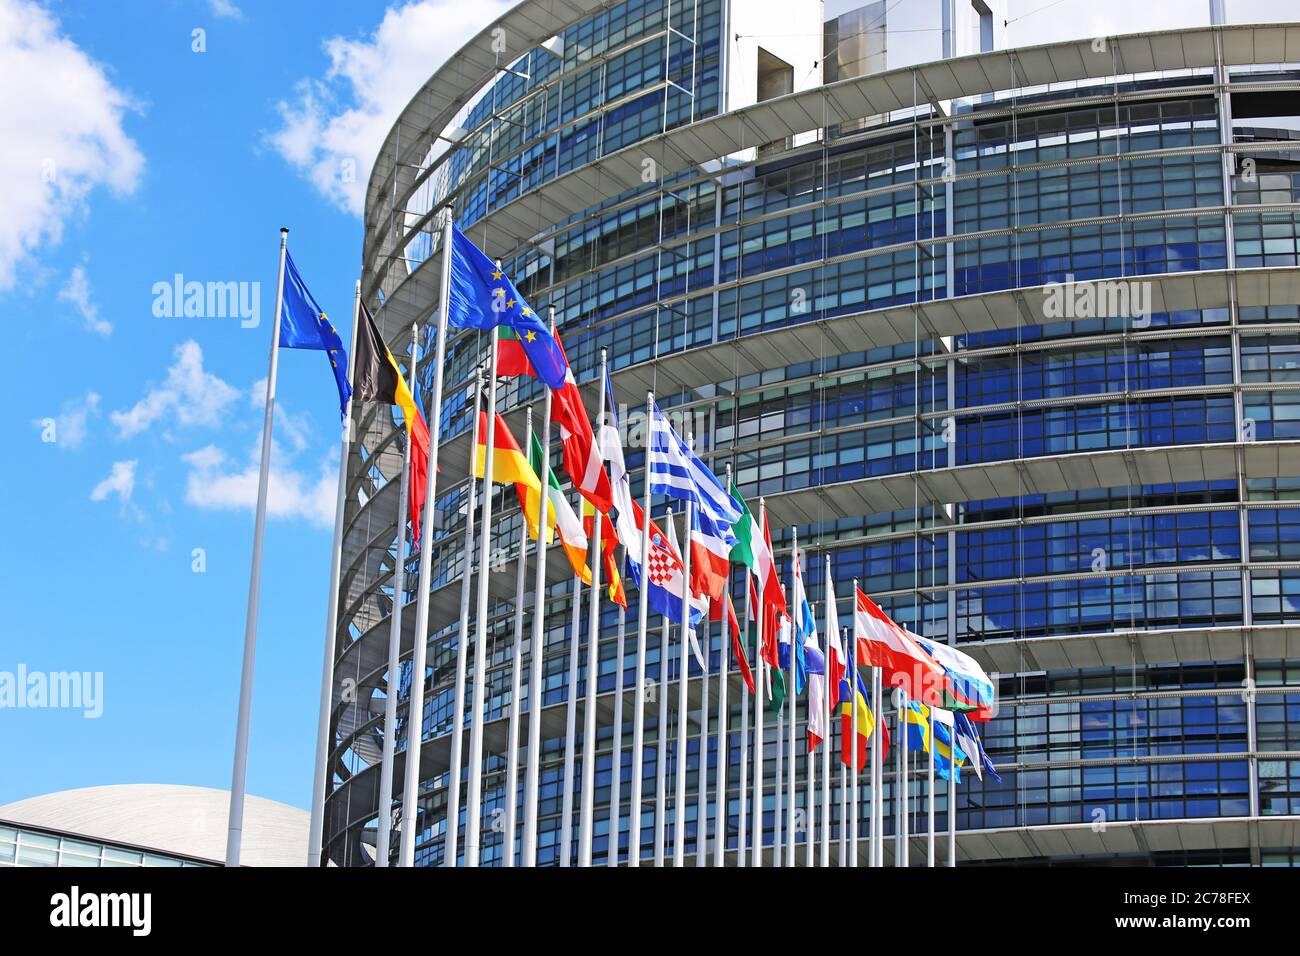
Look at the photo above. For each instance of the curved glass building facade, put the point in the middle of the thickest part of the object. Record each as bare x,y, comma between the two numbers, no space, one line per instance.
1012,335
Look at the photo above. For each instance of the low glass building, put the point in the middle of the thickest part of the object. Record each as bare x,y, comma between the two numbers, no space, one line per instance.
1010,334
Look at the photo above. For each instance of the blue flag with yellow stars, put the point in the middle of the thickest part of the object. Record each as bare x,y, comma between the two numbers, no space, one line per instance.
303,325
483,297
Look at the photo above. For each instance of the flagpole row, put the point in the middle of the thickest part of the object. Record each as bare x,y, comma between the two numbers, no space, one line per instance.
638,722
462,644
536,648
239,772
516,678
587,815
473,793
320,777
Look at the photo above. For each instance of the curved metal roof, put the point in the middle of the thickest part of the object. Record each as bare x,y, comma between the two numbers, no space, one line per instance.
167,818
454,85
687,146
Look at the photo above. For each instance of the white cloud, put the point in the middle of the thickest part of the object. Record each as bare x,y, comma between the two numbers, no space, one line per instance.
120,482
61,124
216,483
189,393
297,428
225,10
77,291
71,424
333,129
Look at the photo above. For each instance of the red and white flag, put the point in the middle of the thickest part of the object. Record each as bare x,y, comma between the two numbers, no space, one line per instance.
882,643
579,450
710,557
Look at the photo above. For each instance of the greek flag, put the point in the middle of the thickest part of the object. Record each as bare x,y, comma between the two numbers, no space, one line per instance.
677,473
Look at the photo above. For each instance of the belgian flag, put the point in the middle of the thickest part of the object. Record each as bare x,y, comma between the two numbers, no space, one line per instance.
376,377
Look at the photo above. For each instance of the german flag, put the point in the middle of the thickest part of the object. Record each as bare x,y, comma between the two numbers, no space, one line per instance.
378,378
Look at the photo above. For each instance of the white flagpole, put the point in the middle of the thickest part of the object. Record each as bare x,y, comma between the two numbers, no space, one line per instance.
683,689
320,780
661,744
588,811
952,794
616,761
516,676
385,823
778,841
419,657
826,736
810,801
756,841
877,765
792,696
929,802
239,774
570,726
532,768
474,792
720,814
638,718
462,646
856,770
845,821
742,820
903,851
702,763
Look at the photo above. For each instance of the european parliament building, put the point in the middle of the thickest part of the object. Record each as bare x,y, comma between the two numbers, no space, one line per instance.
1010,333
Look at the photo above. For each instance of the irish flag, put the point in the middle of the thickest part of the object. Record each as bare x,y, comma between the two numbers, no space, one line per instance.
572,538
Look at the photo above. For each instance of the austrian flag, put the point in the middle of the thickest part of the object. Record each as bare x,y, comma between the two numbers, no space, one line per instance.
580,453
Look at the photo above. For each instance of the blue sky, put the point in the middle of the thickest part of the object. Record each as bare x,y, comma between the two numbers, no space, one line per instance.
131,157
165,161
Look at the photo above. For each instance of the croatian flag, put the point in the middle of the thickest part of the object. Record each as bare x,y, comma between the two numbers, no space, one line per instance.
663,584
677,473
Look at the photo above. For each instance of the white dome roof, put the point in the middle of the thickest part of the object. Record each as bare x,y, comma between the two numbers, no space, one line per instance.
190,821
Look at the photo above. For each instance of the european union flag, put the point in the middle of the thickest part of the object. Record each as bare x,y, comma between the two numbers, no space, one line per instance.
303,325
483,297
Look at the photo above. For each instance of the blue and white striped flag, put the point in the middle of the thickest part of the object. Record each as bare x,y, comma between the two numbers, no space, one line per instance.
677,473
